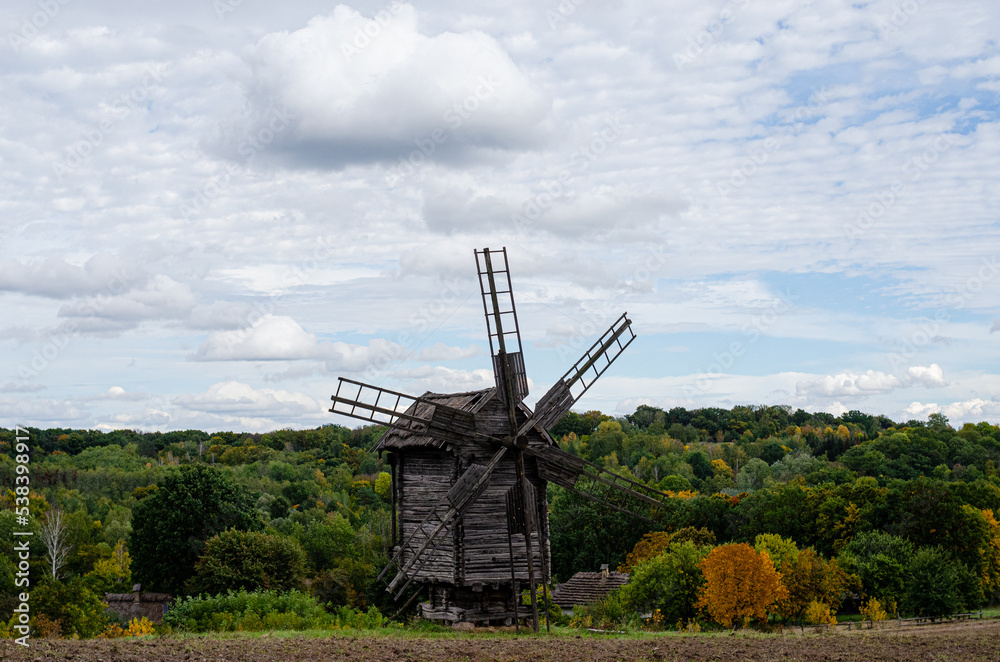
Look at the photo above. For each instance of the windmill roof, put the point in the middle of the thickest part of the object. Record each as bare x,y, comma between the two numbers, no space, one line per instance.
417,437
470,401
585,588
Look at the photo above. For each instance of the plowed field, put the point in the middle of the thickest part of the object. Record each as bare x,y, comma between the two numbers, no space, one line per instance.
966,641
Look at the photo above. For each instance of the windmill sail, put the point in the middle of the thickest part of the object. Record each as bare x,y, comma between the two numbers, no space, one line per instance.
557,400
501,323
557,466
511,380
374,404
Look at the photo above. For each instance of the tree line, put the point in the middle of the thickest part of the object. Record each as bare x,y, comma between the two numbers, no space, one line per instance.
181,512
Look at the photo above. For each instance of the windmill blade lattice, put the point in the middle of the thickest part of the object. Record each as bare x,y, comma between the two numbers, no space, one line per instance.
501,322
511,380
381,406
558,400
557,466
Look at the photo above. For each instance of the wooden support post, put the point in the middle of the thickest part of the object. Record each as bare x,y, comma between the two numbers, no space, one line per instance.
394,483
525,501
513,580
546,573
509,397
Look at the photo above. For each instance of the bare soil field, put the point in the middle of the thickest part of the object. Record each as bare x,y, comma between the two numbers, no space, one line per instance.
967,641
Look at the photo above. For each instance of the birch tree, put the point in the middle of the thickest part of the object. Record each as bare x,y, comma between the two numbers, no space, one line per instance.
55,536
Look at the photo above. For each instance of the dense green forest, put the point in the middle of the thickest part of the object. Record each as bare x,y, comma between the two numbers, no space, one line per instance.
880,502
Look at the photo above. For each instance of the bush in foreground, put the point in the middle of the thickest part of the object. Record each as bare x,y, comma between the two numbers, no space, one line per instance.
265,610
938,585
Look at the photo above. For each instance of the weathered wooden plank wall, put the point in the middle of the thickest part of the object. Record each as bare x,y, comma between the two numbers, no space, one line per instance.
473,549
427,475
485,554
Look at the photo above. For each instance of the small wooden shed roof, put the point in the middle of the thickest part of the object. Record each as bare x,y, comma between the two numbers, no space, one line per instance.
138,604
585,588
137,597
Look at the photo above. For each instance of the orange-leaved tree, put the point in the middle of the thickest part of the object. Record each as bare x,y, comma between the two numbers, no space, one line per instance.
741,585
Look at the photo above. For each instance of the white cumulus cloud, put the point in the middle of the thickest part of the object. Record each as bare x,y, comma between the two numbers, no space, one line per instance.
347,89
974,409
849,384
281,338
871,382
930,376
272,337
234,398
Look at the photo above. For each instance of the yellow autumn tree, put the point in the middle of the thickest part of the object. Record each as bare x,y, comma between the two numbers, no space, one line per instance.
113,574
810,578
991,554
722,469
741,585
818,613
383,483
783,551
872,610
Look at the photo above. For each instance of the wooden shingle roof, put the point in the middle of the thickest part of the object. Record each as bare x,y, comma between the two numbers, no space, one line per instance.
471,402
585,588
396,439
143,597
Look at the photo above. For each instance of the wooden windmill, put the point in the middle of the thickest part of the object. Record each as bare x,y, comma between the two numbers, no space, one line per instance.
469,470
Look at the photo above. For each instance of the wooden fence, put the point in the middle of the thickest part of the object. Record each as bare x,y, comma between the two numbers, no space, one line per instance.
895,622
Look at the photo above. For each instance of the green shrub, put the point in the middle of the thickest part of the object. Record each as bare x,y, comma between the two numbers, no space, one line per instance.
265,610
669,582
227,611
360,620
610,612
248,560
932,584
71,604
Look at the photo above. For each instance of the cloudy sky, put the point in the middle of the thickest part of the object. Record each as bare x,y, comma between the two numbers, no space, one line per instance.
211,209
